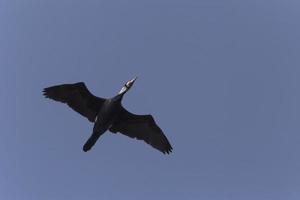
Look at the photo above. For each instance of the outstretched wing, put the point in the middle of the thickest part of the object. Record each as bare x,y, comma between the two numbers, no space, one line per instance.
78,97
141,127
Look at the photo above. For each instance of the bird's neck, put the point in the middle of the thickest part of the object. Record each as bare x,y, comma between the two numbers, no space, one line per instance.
123,90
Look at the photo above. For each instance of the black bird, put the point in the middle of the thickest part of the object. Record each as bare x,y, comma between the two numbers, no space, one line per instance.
109,114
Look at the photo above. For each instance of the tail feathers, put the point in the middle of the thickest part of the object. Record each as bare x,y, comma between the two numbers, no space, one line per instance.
90,142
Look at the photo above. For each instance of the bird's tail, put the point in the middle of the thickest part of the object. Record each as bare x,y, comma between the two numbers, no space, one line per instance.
91,141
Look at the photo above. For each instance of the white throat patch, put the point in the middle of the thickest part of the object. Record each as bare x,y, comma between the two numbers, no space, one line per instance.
124,89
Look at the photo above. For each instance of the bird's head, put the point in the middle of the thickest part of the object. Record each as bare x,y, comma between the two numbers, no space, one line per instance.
127,86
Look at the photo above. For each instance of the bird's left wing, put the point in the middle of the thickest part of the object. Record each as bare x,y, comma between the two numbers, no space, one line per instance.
78,97
141,127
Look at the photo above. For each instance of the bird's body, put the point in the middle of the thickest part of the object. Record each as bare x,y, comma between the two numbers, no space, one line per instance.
104,119
109,114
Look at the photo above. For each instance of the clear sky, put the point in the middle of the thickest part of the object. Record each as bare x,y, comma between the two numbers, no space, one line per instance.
220,77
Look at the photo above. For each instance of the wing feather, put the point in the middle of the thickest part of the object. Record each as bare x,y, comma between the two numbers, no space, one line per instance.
142,127
78,97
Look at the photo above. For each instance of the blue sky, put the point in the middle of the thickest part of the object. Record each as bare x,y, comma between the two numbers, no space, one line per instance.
221,79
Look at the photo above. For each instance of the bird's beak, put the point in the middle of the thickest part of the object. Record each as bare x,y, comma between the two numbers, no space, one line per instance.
132,80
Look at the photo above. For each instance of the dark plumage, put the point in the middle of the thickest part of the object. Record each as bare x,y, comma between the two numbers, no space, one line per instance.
109,114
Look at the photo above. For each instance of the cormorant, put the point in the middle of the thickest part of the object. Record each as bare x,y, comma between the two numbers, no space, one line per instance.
109,114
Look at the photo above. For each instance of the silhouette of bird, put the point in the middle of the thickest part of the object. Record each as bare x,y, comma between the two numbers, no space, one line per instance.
109,114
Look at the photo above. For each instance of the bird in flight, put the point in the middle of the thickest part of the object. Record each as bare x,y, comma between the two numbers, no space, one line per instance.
109,114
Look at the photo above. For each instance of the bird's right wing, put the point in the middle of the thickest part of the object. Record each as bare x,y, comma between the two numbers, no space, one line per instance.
78,97
141,127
